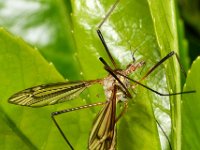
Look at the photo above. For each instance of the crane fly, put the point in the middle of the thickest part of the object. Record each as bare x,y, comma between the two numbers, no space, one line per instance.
116,88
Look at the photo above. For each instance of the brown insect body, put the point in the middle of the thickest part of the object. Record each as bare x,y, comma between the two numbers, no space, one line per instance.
103,134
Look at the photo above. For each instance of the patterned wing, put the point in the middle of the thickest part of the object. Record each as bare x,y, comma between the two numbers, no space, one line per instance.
103,133
49,94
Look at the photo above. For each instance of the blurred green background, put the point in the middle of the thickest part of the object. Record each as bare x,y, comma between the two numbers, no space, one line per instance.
190,14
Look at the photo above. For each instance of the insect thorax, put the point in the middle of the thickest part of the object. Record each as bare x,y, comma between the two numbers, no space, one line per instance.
110,82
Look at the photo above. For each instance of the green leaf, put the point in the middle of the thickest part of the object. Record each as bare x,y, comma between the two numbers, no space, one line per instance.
133,25
46,25
191,109
164,16
22,67
129,27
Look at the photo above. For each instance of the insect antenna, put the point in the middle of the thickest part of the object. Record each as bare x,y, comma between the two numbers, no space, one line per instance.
132,54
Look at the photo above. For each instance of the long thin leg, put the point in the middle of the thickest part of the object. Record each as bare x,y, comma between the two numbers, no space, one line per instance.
106,48
108,14
156,92
53,114
172,53
107,68
101,36
151,70
170,146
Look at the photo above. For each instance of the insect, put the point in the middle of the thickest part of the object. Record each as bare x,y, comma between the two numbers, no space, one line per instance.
116,86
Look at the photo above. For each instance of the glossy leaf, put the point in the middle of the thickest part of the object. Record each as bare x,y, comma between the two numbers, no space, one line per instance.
133,25
129,27
191,109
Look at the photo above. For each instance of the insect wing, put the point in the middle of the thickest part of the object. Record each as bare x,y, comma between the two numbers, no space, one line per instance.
48,94
103,133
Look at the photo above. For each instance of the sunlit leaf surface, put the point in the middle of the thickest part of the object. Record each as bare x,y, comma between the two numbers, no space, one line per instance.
133,25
